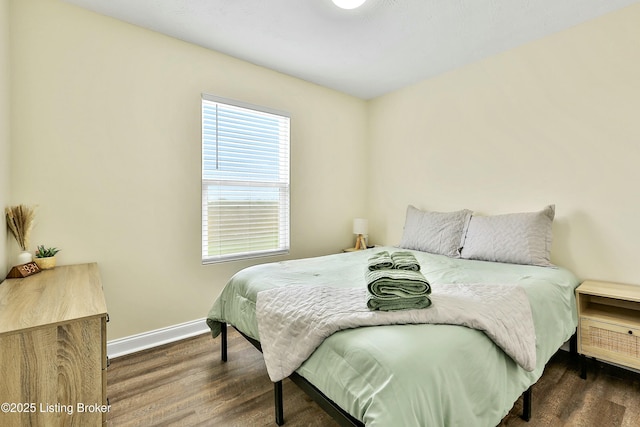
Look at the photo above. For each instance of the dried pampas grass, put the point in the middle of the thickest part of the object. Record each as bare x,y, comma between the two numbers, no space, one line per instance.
20,222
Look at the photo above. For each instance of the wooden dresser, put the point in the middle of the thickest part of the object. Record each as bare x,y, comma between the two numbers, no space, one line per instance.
53,348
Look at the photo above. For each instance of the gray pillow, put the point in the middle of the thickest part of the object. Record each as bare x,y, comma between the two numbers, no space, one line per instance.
517,238
435,232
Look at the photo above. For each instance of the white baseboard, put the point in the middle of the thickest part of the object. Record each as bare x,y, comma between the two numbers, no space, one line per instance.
134,343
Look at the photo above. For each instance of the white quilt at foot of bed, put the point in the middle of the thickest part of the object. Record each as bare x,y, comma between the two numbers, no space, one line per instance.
294,320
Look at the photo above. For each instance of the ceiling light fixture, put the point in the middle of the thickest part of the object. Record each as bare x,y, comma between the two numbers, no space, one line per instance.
348,4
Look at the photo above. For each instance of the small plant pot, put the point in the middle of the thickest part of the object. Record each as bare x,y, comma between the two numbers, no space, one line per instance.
46,263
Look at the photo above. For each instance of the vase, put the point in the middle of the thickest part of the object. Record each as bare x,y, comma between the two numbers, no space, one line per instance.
46,263
24,257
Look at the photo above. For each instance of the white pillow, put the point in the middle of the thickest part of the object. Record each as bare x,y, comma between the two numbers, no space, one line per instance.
517,238
435,232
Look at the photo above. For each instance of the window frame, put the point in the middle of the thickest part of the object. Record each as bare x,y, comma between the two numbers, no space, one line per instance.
284,203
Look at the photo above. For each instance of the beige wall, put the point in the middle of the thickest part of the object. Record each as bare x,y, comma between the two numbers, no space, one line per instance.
554,121
106,140
4,133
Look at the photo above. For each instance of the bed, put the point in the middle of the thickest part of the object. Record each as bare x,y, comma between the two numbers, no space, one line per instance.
411,374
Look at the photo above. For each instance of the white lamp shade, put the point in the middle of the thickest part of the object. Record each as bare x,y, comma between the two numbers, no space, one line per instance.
360,226
348,4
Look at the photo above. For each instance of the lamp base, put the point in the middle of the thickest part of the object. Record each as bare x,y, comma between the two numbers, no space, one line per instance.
360,243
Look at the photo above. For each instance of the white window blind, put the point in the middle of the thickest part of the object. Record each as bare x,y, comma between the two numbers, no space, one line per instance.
245,180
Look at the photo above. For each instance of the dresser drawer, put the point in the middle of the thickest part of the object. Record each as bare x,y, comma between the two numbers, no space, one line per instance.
53,347
609,341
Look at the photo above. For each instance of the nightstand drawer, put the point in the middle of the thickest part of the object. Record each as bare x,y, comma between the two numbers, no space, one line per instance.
611,342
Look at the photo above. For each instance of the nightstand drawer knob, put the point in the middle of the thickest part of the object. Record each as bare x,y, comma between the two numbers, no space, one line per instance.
630,332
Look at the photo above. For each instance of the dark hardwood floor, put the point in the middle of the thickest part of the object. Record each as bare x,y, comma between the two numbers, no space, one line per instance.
186,384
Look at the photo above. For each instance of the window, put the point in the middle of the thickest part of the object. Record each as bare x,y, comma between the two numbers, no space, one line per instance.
245,180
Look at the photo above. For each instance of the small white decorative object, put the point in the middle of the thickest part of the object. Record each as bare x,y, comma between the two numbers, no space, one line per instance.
24,257
348,4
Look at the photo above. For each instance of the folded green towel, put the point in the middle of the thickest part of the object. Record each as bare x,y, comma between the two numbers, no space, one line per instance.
398,303
380,260
398,283
394,282
404,260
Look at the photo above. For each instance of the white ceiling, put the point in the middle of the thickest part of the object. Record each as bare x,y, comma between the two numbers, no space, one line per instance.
367,52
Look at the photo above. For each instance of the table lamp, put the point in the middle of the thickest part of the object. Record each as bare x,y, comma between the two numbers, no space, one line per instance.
360,228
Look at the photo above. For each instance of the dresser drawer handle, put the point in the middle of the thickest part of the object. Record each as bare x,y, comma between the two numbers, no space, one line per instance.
630,332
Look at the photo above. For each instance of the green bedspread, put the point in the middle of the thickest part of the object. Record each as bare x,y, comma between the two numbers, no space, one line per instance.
414,375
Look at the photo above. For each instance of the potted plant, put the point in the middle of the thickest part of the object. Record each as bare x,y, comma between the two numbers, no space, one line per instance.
46,257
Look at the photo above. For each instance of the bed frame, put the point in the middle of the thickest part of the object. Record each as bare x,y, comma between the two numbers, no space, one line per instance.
337,413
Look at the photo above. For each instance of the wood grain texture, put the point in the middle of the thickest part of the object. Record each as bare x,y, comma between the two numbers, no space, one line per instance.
27,303
621,291
186,384
53,363
609,322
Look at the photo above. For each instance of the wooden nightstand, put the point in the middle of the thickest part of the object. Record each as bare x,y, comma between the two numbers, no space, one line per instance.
356,250
609,323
